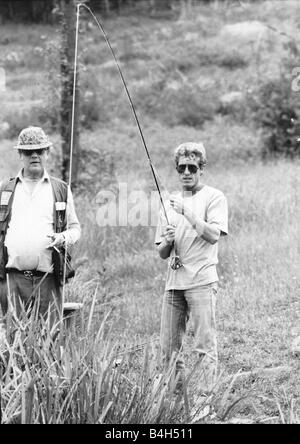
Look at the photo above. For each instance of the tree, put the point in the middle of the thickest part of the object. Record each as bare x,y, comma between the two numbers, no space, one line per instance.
36,11
67,76
161,4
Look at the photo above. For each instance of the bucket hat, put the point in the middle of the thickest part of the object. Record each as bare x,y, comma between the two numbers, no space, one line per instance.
33,138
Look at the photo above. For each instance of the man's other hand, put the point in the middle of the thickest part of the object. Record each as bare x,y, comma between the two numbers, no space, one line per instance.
58,240
177,204
170,234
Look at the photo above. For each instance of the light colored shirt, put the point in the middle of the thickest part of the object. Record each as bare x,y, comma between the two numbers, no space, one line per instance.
32,221
198,256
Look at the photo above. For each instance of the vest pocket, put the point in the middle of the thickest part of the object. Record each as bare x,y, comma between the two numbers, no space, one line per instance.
3,215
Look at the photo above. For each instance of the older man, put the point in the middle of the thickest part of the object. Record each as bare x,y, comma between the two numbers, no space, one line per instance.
37,218
197,217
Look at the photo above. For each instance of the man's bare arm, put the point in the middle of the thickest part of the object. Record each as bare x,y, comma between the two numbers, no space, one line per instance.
165,247
209,232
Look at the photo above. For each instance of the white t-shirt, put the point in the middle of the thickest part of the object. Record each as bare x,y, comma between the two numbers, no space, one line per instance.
198,256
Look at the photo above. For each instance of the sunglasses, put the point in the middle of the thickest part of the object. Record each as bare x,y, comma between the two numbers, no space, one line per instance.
191,168
29,153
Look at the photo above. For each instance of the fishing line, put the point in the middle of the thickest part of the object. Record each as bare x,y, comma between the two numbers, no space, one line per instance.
130,101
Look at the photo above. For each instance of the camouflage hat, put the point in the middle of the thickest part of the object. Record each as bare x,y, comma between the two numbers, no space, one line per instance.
33,138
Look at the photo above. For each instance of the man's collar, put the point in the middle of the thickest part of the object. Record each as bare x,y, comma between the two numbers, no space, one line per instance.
45,176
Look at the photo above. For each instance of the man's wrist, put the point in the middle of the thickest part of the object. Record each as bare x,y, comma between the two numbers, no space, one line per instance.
189,215
198,225
64,238
192,219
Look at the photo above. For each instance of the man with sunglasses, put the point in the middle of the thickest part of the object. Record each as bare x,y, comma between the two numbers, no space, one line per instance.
37,215
197,217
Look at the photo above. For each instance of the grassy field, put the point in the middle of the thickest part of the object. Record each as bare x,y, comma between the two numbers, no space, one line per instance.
177,71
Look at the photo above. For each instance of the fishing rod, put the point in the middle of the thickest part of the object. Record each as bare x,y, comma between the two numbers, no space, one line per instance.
175,263
71,152
131,104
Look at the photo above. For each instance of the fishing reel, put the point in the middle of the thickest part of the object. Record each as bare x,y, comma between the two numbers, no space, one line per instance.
176,263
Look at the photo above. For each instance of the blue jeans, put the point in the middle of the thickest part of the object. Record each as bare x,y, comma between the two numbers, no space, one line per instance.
199,304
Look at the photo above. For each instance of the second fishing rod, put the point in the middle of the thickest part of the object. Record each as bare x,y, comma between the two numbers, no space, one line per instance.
175,262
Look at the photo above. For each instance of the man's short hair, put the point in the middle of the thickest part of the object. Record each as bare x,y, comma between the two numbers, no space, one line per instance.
191,149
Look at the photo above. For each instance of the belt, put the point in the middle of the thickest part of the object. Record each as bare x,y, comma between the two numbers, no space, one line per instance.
27,273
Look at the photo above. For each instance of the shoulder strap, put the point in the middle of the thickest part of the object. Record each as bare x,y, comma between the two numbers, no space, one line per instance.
60,193
7,189
60,189
8,185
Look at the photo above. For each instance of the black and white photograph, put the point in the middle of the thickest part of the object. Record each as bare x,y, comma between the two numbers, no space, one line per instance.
149,214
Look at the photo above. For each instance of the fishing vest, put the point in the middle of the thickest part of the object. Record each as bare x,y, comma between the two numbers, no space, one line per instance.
7,192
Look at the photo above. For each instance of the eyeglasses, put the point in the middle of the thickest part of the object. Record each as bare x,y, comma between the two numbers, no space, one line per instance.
191,168
29,153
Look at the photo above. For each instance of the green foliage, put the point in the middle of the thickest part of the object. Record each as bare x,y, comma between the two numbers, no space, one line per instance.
51,376
89,110
276,112
29,11
18,120
275,108
96,170
98,99
232,60
176,103
45,11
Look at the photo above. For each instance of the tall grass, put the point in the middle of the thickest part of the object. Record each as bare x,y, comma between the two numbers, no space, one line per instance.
57,374
51,376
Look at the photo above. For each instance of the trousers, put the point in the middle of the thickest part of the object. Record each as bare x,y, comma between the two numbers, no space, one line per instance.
20,289
178,306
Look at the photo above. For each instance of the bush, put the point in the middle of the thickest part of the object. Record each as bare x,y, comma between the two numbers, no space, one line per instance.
89,110
17,120
176,103
96,169
276,109
189,107
43,115
231,60
195,54
275,112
